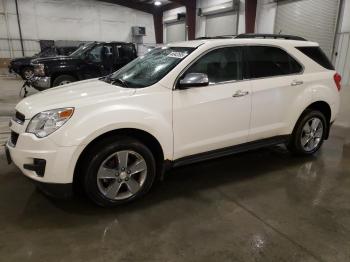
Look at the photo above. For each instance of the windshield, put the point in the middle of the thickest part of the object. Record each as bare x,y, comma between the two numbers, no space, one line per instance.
81,50
150,68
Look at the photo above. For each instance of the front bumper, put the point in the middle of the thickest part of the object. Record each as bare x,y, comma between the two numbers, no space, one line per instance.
13,70
56,190
41,83
43,161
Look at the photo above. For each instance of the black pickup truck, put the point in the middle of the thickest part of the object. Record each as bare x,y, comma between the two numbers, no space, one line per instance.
91,60
22,66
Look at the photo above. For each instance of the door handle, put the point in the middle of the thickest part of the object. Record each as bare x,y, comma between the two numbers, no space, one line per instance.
240,93
296,83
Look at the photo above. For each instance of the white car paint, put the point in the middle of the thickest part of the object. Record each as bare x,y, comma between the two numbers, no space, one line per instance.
185,122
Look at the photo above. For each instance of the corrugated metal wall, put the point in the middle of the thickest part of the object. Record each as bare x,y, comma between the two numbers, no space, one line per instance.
221,24
313,19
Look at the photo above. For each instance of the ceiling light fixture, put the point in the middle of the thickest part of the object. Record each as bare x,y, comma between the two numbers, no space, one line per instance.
157,3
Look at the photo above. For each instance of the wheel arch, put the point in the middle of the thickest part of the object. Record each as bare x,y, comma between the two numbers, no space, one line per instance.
143,136
60,73
324,108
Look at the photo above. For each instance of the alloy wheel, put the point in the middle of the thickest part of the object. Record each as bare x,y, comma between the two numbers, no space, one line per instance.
122,175
312,134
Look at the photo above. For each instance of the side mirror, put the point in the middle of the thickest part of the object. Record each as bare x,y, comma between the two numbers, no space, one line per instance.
193,80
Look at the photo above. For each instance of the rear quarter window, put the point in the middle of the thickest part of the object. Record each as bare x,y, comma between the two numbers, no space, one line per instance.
269,61
316,54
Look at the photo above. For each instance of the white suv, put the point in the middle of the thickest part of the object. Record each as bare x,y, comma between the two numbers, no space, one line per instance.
179,104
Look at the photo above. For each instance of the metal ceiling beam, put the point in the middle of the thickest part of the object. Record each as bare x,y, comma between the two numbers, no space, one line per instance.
170,6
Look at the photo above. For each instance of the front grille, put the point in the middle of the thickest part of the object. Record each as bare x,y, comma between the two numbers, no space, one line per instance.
19,118
14,138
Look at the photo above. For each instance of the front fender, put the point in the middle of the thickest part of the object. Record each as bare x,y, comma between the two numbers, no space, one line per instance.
84,127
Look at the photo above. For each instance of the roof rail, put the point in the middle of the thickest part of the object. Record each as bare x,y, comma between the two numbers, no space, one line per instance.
274,36
216,37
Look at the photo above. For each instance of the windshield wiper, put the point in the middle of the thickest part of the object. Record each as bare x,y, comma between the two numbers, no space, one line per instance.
106,78
120,81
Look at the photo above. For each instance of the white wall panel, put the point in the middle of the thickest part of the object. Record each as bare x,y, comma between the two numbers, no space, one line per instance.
265,17
342,63
345,27
74,20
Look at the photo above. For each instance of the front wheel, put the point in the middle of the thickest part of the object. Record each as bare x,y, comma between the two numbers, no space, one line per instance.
63,80
309,133
118,170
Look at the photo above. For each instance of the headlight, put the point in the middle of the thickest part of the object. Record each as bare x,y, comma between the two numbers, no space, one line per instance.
39,69
47,122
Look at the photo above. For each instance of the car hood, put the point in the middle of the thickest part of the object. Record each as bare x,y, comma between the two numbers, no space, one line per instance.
21,59
77,94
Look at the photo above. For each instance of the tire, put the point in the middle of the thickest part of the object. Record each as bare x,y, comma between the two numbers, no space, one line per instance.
105,180
63,80
27,72
309,133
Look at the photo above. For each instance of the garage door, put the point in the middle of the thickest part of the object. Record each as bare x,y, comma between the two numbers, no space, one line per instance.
313,19
221,24
175,32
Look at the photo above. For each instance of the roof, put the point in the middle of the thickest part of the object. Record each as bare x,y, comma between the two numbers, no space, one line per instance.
241,41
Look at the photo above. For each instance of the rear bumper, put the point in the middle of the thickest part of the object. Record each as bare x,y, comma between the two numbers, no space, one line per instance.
41,83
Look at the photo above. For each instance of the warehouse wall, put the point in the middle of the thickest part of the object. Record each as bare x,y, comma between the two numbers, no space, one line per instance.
265,22
265,16
84,20
342,60
201,20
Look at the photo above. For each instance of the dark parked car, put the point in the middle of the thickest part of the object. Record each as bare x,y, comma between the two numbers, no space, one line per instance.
22,66
88,61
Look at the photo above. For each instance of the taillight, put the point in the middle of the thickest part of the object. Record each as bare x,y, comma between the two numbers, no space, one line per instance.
337,80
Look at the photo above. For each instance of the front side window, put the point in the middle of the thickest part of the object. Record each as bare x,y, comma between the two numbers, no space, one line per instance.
220,65
152,67
268,61
82,50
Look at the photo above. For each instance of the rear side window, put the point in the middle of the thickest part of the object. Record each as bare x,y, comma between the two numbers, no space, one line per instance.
126,51
221,65
268,61
316,54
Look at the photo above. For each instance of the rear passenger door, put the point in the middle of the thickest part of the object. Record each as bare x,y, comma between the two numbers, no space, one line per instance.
276,80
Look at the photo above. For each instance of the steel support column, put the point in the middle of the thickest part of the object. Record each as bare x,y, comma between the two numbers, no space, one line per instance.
158,26
250,14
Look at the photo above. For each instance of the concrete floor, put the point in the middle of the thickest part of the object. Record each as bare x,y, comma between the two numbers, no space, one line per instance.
263,205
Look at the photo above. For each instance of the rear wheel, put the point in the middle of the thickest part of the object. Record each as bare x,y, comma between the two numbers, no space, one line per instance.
309,133
63,80
118,171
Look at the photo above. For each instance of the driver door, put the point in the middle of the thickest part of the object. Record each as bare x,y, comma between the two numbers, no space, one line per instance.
98,61
215,116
